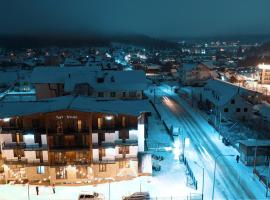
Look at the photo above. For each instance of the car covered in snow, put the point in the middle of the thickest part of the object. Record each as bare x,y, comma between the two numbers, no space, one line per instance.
91,196
138,196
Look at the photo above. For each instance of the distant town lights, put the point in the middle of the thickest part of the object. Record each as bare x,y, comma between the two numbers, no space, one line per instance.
263,66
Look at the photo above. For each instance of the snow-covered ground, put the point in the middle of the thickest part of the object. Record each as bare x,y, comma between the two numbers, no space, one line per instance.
233,180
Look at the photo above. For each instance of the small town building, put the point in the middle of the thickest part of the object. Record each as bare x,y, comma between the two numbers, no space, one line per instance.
254,152
60,81
194,74
228,100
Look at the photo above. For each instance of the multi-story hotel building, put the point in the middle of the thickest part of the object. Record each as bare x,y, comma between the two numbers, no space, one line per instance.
72,139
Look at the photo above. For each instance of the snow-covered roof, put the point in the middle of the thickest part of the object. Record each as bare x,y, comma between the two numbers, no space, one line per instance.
113,81
253,142
8,77
209,64
79,103
57,74
220,92
264,109
189,66
70,76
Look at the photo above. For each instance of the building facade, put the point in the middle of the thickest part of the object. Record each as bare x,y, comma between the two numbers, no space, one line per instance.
105,85
194,74
227,100
71,145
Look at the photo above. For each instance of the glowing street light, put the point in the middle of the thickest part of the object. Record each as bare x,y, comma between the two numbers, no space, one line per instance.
263,66
6,119
109,117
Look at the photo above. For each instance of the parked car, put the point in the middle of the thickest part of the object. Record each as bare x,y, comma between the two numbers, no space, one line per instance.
138,196
226,141
91,196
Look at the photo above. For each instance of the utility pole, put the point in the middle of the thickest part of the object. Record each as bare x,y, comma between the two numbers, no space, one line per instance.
214,181
154,95
109,190
28,192
267,181
220,120
255,157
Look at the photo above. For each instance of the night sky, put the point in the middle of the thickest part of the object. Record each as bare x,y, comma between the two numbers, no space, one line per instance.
158,18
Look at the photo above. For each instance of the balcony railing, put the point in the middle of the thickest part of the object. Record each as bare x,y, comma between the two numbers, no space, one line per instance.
65,162
126,142
22,130
68,147
23,145
103,161
24,161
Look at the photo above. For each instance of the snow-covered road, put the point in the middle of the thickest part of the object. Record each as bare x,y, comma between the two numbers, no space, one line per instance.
233,180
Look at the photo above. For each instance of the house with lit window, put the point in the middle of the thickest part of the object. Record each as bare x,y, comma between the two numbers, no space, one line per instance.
72,139
264,73
194,74
228,100
105,85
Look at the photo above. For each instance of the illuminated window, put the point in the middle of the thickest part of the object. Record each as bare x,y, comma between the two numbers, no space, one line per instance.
124,150
100,122
18,153
123,121
40,170
61,173
79,125
124,164
81,172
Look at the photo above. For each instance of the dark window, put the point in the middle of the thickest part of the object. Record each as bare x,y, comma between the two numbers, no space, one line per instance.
112,94
238,110
232,101
123,134
100,94
132,94
38,154
226,110
102,167
102,153
245,109
101,137
124,94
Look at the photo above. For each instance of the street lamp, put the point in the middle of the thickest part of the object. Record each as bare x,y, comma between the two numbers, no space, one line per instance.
110,180
213,191
202,177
